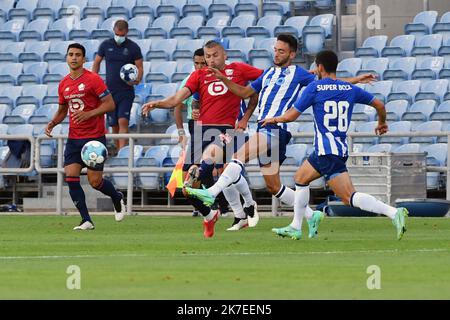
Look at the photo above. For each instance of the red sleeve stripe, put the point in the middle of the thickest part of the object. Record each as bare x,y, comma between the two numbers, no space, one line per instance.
72,179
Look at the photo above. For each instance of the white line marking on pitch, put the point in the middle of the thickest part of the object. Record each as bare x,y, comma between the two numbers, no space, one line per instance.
187,254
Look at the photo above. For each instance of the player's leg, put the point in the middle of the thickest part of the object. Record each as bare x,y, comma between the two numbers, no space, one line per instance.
96,180
342,186
123,114
234,199
113,122
72,170
304,175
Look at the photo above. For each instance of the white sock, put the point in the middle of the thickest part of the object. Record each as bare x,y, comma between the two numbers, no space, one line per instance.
228,176
369,203
301,203
243,188
287,196
210,215
234,199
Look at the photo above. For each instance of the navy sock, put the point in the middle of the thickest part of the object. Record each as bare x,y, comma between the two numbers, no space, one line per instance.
199,206
206,173
107,188
77,194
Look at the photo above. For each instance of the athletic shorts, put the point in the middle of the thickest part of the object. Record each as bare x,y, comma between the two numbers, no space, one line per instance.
223,136
277,140
329,166
124,102
72,152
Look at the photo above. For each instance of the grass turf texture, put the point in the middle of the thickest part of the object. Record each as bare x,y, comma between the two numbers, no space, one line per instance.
168,258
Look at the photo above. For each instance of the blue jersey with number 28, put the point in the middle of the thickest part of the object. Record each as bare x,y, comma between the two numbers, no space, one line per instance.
332,102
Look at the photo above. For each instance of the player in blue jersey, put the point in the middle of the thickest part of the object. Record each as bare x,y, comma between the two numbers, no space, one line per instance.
332,101
278,88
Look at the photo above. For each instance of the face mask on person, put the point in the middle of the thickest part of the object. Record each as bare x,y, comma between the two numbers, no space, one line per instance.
119,39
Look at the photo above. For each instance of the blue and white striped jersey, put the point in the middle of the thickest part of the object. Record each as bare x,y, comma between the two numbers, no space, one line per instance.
278,88
332,102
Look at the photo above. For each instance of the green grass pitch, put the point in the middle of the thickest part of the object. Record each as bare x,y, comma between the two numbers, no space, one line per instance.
167,258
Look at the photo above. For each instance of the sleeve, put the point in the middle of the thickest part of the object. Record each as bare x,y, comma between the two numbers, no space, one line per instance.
61,99
101,49
137,52
305,78
362,96
196,96
192,83
258,83
249,72
100,88
306,99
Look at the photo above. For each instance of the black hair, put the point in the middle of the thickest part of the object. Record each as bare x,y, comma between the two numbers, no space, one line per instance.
121,25
328,59
199,52
77,46
290,40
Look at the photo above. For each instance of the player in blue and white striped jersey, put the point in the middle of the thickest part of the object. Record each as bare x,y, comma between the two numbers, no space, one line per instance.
278,88
332,101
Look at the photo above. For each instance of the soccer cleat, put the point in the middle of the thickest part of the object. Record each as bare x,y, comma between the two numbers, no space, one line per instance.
208,226
399,221
201,194
191,176
85,225
252,214
238,224
314,223
120,209
288,232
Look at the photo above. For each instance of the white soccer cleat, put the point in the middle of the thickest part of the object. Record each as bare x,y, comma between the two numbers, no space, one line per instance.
238,224
87,225
252,215
119,215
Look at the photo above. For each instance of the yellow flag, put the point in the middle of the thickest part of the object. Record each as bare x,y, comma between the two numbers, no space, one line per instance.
176,179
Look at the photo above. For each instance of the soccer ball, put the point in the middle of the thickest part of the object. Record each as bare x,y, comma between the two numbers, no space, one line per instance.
94,154
129,72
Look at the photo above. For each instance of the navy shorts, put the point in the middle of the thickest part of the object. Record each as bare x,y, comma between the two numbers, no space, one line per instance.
72,152
124,102
277,138
329,166
211,135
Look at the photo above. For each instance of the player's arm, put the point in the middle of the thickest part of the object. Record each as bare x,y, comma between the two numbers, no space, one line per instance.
240,91
242,124
107,105
291,115
362,78
382,126
59,116
178,112
96,65
167,103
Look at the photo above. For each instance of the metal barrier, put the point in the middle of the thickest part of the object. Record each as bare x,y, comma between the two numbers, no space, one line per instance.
130,170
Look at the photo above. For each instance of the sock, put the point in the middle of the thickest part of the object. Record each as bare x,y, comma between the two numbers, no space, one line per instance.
300,205
369,203
229,175
287,196
77,194
199,206
107,188
209,216
234,199
242,187
222,202
206,173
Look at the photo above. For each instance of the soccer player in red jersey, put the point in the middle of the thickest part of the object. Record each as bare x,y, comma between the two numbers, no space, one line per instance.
84,95
219,110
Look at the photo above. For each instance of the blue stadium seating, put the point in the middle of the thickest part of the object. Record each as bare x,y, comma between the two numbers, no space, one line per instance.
371,47
434,90
293,25
422,24
429,69
400,46
406,90
400,69
395,109
429,126
348,67
238,26
375,66
419,112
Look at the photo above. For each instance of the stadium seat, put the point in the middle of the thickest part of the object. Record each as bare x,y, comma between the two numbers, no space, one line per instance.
260,58
420,112
238,26
428,69
315,33
443,26
436,154
400,69
395,109
161,73
434,90
363,113
246,9
3,130
380,89
187,28
366,127
400,46
160,28
293,25
14,49
371,47
243,44
408,148
348,67
264,28
7,5
422,24
429,126
162,50
32,94
405,90
12,70
59,29
144,44
185,50
20,114
382,147
220,10
375,66
427,46
34,30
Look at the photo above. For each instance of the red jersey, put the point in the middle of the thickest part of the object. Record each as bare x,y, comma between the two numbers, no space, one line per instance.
218,105
84,93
